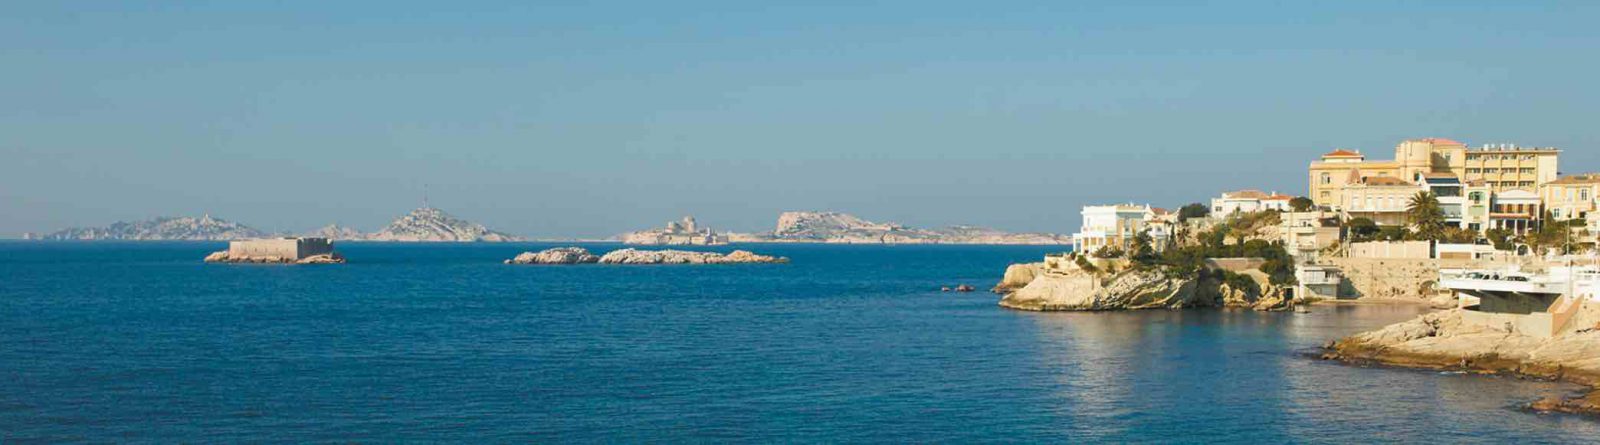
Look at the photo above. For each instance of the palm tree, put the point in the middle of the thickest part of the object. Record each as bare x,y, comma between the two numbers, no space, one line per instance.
1425,216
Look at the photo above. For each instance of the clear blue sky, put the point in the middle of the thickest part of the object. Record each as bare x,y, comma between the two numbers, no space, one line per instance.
555,119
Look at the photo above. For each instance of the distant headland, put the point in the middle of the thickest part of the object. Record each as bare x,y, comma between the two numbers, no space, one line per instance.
835,228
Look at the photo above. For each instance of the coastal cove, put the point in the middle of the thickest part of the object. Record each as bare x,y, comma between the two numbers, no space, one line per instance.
114,341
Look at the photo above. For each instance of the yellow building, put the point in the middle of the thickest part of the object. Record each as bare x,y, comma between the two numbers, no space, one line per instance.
1508,167
1382,199
1503,167
1571,197
1340,168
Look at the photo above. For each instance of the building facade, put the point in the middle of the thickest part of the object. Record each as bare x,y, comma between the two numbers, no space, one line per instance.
1501,167
1246,201
1571,197
1383,199
1111,226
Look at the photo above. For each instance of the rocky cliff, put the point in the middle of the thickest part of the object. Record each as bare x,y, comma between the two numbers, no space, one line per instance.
1442,340
430,224
204,228
1036,287
834,227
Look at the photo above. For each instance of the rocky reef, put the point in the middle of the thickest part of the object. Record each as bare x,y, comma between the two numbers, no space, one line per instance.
1442,340
431,224
578,255
559,255
204,228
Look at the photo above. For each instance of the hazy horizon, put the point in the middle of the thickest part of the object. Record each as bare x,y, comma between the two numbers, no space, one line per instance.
585,121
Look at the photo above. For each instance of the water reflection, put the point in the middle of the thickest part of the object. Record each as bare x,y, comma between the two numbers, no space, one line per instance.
1211,375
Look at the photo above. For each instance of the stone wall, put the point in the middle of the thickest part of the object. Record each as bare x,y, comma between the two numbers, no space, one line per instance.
287,249
1392,250
1413,279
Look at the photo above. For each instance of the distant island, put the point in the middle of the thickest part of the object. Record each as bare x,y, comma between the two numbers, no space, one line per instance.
204,228
425,224
834,228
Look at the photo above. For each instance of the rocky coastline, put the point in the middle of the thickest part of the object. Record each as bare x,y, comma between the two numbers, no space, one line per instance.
1442,341
1069,286
579,255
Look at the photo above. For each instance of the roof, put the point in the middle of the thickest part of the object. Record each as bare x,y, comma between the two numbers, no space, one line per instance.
1342,153
1386,181
1159,211
1278,198
1586,178
1438,141
1244,194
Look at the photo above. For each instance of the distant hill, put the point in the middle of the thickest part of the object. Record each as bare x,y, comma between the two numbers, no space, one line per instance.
204,228
834,227
430,224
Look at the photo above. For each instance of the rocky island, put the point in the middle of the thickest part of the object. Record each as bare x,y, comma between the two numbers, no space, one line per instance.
686,232
578,255
204,228
428,224
278,251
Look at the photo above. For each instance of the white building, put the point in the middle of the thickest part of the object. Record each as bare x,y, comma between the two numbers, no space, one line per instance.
1246,201
1111,226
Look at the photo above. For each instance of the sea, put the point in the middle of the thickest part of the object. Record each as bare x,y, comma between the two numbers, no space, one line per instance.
143,343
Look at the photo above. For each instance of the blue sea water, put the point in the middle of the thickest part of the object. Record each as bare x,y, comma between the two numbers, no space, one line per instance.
141,342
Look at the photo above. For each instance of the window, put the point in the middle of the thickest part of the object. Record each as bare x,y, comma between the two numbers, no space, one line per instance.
1583,195
1327,179
1491,170
1474,170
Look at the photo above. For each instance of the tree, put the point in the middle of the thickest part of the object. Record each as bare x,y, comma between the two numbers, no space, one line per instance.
1142,252
1426,216
1193,210
1361,229
1457,235
1501,238
1301,204
1392,233
1108,252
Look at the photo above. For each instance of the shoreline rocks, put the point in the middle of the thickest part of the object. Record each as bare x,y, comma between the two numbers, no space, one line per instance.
578,255
1442,341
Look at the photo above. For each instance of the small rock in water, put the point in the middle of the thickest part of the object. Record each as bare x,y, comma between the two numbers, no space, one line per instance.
964,288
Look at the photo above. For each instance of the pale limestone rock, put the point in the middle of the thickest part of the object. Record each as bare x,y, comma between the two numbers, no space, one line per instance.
1080,291
1017,276
430,224
559,255
635,256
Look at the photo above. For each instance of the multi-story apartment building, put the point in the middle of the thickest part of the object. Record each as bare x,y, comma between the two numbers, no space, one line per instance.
1383,199
1111,226
1501,167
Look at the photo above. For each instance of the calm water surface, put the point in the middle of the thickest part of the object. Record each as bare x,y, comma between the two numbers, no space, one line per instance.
143,343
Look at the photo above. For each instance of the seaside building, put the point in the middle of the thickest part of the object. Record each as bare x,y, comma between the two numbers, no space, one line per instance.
279,249
1516,210
1305,234
1535,305
1112,226
682,232
1571,197
1501,167
1383,199
1246,201
1509,167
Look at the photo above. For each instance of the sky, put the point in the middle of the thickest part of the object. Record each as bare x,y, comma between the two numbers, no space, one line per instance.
587,119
